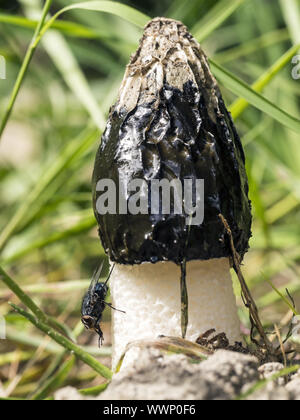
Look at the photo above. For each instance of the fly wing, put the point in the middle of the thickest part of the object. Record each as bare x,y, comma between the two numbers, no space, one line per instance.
95,279
110,273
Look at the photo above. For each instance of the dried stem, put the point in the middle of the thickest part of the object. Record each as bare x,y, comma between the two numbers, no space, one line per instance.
246,295
184,300
281,345
170,345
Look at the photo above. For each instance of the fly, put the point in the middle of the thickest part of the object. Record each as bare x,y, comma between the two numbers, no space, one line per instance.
93,303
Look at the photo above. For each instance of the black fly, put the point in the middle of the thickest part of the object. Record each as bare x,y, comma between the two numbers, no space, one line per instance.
93,304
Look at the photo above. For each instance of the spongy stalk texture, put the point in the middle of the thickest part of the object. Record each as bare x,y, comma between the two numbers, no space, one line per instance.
150,296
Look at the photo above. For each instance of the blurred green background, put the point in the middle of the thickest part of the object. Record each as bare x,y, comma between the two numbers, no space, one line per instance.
48,238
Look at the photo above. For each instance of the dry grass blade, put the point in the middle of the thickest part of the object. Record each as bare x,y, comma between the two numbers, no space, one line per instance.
247,297
281,345
184,300
175,345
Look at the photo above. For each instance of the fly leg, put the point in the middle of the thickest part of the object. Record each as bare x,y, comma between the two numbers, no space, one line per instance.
115,309
100,333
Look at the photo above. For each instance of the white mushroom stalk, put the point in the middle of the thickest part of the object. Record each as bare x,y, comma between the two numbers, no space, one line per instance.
150,296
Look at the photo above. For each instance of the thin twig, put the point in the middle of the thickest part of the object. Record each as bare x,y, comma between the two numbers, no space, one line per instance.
247,297
183,287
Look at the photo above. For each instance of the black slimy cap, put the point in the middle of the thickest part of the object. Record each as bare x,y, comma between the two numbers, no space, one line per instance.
170,122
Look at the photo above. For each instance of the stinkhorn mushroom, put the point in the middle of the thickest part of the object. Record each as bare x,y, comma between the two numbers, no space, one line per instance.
170,123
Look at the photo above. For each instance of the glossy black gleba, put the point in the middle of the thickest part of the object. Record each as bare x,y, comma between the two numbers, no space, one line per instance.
170,122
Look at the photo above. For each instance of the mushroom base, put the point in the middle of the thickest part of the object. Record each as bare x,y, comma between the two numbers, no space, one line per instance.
150,296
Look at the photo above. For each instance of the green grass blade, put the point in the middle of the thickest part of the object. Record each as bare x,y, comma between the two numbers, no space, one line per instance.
22,73
282,297
214,18
68,28
32,341
258,204
52,369
282,208
62,56
65,61
115,8
56,380
275,297
84,225
14,357
51,288
240,88
64,159
182,9
14,287
67,344
291,13
118,9
261,384
19,21
239,106
93,391
250,47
